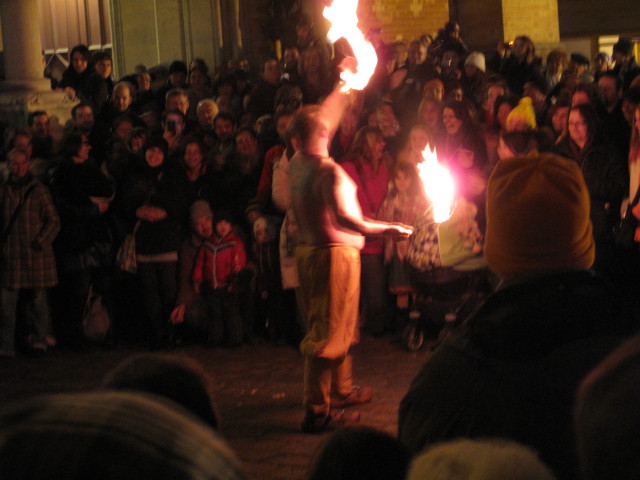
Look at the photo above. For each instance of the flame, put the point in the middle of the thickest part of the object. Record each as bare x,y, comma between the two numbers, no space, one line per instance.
438,185
344,23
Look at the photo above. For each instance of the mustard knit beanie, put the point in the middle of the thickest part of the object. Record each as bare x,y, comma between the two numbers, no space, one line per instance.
521,118
538,216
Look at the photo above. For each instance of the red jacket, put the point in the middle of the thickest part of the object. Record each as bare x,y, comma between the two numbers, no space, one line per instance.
218,260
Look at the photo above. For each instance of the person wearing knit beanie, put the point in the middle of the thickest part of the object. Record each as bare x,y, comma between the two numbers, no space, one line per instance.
519,358
476,59
522,118
538,216
200,209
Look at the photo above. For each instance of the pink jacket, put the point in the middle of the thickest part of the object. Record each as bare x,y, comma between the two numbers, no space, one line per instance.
372,190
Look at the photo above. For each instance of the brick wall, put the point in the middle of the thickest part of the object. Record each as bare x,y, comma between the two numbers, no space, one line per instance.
598,17
480,23
404,19
399,19
538,19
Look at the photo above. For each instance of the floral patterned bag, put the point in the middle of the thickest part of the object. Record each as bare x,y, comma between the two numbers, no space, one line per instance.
424,253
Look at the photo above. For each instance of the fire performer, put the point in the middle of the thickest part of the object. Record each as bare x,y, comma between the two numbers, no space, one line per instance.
331,229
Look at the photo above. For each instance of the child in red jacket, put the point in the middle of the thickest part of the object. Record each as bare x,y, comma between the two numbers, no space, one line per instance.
219,260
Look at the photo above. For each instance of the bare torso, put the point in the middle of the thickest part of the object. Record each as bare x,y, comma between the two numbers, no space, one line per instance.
321,191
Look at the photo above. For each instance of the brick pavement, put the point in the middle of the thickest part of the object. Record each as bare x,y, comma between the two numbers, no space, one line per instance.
258,390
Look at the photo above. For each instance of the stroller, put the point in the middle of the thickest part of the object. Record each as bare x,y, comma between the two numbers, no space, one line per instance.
449,275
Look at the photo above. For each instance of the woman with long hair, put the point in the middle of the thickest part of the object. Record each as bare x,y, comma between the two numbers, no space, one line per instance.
80,80
316,77
462,149
604,172
418,139
367,164
153,204
84,246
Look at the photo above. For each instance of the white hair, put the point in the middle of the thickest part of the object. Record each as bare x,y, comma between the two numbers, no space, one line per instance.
487,459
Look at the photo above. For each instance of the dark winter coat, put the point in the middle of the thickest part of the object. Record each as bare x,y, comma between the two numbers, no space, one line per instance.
85,237
90,87
159,188
607,181
512,369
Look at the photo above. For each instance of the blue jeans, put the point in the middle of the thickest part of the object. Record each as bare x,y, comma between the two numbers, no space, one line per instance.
37,317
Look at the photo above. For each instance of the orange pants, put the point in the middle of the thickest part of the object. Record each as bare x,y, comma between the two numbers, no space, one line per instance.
330,286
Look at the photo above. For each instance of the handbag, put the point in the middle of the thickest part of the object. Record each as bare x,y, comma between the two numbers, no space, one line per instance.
96,321
126,255
624,231
423,252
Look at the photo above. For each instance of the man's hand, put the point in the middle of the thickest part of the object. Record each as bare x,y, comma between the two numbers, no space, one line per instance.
103,206
398,230
151,214
177,315
348,63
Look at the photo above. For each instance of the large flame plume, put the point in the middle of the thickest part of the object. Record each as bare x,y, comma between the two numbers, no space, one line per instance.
344,23
438,185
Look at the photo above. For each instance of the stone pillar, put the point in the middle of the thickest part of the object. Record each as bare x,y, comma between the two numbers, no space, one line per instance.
22,45
25,89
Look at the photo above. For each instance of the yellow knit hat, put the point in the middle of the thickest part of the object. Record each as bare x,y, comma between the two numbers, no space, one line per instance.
538,216
521,118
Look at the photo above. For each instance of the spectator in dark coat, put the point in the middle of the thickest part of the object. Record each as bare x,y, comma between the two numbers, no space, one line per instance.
606,416
517,64
79,79
190,312
511,370
261,100
84,250
605,174
155,201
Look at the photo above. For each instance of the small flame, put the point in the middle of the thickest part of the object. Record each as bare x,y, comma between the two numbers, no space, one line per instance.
344,23
438,185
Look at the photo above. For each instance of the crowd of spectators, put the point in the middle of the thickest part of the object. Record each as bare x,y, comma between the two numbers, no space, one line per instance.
194,164
139,152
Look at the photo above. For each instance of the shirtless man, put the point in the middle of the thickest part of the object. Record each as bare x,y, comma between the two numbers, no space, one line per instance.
331,229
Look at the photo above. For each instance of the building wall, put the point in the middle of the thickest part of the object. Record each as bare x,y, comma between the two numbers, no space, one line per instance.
484,24
480,23
404,19
538,19
399,19
159,31
579,18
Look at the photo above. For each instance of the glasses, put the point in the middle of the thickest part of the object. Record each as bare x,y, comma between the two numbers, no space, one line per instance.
242,141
